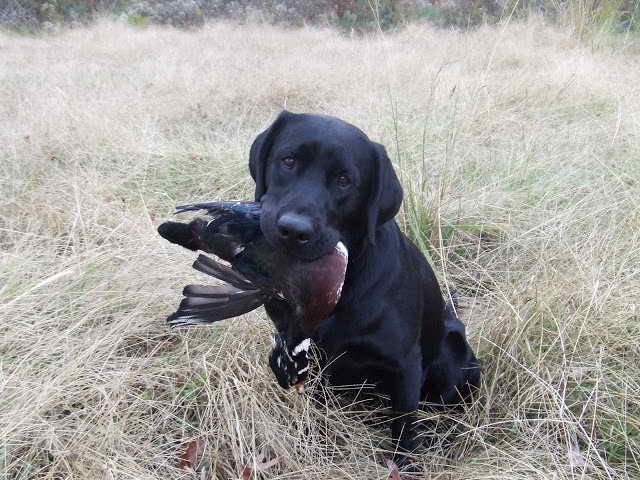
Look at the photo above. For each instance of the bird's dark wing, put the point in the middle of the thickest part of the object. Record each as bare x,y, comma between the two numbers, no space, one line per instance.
251,209
232,226
220,271
228,234
265,267
205,304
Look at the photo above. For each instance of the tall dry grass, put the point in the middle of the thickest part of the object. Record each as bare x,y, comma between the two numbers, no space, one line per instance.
520,153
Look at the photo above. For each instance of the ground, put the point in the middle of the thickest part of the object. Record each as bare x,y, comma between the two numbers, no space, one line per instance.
518,148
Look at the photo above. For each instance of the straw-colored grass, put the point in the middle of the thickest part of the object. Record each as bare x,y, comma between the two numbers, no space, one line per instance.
519,150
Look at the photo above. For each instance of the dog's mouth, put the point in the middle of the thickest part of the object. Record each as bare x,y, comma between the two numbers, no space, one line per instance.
322,245
309,253
304,236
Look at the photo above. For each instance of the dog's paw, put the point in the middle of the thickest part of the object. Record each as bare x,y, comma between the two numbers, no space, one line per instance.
403,463
290,365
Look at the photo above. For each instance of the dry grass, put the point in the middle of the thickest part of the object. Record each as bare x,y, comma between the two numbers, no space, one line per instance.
519,150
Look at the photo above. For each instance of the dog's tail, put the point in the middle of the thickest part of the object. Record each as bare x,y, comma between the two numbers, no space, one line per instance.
205,304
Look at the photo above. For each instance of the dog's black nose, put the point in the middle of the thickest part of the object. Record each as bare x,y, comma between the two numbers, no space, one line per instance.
295,229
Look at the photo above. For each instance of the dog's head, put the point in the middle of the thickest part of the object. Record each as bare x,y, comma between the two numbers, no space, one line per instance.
321,180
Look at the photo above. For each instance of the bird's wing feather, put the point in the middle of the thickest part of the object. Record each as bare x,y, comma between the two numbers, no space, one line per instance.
220,271
232,226
253,209
204,304
208,291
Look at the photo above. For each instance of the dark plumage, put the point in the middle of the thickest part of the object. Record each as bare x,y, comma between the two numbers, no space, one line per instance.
320,179
308,290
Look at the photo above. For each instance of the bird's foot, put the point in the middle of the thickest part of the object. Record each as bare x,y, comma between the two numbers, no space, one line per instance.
290,364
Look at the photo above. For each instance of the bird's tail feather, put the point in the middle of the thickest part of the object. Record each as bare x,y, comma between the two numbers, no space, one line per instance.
208,304
220,271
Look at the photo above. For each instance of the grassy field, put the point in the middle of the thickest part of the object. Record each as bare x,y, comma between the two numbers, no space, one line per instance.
519,150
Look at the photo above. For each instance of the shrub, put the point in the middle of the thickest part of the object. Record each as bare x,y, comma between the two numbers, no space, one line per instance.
179,13
584,16
19,15
470,13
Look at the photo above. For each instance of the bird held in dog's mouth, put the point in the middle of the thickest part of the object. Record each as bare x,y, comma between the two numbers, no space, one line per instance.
258,273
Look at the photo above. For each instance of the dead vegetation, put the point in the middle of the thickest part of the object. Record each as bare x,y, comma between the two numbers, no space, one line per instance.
518,148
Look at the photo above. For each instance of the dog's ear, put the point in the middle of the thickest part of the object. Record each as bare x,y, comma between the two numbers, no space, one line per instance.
260,152
386,192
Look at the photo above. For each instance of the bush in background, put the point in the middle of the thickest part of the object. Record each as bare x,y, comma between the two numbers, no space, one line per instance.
30,15
470,13
583,16
349,15
179,13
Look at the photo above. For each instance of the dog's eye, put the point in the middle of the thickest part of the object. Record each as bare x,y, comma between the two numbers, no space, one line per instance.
343,180
288,162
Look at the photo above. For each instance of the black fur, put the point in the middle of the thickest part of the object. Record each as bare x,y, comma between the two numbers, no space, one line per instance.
391,326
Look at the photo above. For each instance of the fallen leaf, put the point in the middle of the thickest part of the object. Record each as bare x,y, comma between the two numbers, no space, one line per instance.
190,455
246,473
394,473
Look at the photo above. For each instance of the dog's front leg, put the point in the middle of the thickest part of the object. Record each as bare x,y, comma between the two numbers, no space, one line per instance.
405,396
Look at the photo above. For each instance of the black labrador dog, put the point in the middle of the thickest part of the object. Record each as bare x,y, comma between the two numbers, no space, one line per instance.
320,181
